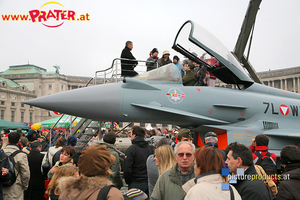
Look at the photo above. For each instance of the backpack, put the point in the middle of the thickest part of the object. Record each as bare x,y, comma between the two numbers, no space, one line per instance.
11,169
266,163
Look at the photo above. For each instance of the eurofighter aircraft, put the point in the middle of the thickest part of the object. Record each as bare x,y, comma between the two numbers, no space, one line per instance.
158,96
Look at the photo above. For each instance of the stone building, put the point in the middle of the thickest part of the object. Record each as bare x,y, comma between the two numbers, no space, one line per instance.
285,79
40,83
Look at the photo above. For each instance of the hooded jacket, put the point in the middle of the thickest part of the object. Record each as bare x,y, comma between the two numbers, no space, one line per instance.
289,189
86,188
136,155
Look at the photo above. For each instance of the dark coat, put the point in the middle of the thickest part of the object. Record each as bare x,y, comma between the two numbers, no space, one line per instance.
3,164
36,188
209,144
128,66
252,190
135,169
289,189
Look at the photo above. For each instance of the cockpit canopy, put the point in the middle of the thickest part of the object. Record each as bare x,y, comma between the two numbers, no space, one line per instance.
192,41
167,73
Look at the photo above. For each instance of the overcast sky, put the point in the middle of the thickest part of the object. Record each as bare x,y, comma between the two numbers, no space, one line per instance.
82,47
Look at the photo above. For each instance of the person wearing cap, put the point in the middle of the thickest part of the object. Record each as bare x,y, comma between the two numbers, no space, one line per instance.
189,79
165,59
185,135
135,170
211,139
290,179
127,66
36,188
94,166
152,60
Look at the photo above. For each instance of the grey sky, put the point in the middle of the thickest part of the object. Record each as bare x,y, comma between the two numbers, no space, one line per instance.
83,47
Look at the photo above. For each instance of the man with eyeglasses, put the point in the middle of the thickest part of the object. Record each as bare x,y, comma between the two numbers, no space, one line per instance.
169,184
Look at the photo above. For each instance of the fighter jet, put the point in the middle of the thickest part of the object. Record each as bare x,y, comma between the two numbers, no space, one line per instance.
158,96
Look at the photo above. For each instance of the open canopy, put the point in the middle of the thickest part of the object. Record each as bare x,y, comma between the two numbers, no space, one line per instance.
11,125
192,41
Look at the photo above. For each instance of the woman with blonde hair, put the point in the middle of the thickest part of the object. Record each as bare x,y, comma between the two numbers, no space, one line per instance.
64,171
164,158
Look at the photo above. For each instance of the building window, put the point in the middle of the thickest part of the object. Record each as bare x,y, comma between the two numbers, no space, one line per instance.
2,103
62,87
30,117
22,105
13,103
22,116
40,87
12,116
50,87
2,114
30,106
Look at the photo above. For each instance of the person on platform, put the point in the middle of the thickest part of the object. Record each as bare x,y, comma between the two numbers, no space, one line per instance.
128,65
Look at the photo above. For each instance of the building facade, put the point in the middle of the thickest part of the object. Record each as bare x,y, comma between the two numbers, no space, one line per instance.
40,83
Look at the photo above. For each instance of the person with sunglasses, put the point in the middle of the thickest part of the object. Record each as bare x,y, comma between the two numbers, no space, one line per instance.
169,183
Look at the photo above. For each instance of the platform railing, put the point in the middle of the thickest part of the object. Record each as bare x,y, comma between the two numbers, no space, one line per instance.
113,73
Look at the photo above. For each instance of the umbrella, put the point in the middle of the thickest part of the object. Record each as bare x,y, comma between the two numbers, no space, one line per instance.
10,125
63,123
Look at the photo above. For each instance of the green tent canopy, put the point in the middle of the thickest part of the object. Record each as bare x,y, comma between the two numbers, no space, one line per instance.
63,123
11,125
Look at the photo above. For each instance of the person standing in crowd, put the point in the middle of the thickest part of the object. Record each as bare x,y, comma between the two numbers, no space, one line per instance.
75,159
290,184
64,171
176,62
152,168
16,191
185,135
5,174
135,170
94,166
169,184
65,158
211,139
23,139
209,163
127,66
109,140
60,143
240,157
164,158
182,67
72,140
152,60
189,79
165,59
36,188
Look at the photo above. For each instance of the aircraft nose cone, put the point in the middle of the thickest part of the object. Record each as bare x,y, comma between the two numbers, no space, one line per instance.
100,102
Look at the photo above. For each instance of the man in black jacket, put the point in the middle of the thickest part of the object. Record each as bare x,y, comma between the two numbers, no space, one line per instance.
135,170
128,66
240,163
36,187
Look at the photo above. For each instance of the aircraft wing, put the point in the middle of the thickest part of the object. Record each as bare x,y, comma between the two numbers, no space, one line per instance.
287,133
182,114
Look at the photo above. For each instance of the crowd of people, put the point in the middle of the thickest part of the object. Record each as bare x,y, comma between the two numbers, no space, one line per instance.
173,168
192,73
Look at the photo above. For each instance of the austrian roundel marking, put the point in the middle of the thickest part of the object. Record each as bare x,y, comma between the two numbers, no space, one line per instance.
284,109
